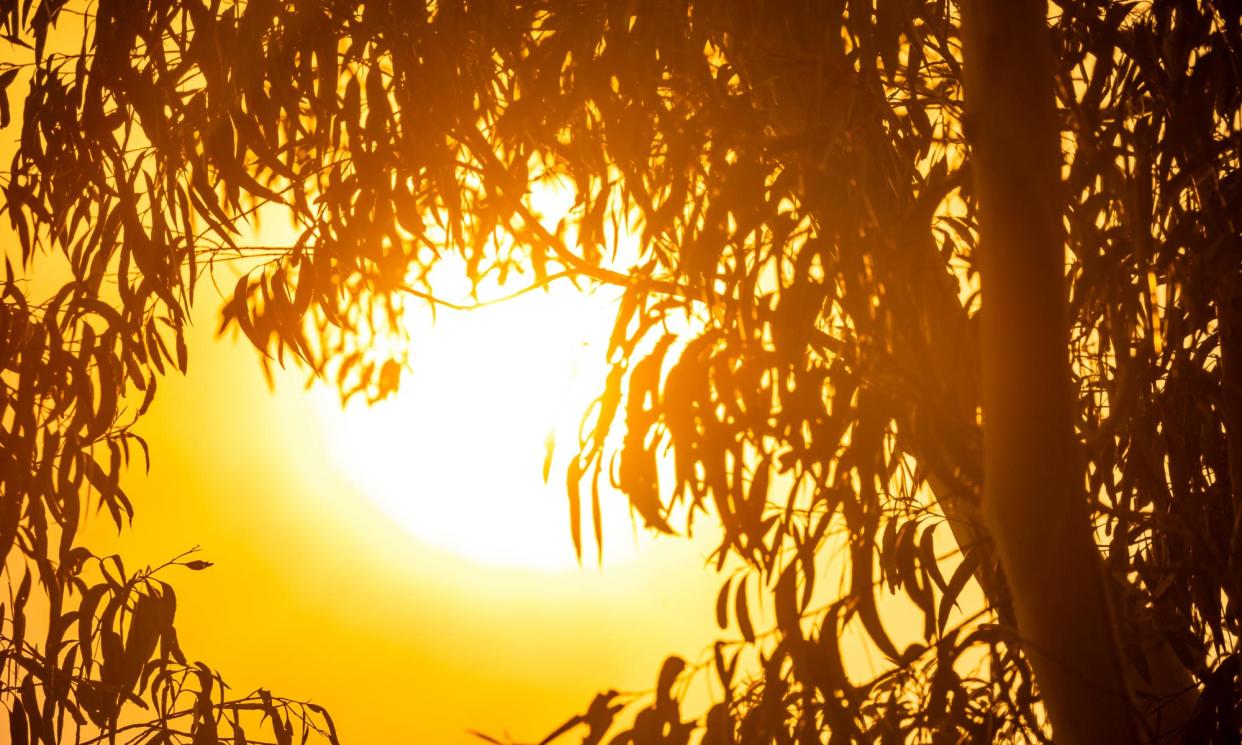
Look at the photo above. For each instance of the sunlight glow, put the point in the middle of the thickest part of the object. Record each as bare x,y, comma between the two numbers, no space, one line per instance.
456,456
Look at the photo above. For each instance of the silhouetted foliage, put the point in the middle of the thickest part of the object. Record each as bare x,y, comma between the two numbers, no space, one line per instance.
797,174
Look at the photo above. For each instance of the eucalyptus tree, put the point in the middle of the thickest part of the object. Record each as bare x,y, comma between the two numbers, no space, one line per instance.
806,182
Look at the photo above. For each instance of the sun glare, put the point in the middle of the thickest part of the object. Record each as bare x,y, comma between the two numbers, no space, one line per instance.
456,456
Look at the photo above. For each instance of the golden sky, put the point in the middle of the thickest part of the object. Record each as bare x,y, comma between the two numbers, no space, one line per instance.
323,588
404,566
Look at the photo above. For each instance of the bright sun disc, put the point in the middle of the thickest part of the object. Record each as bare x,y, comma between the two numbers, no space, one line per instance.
456,456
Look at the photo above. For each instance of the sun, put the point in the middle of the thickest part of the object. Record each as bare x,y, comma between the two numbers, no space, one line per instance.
456,457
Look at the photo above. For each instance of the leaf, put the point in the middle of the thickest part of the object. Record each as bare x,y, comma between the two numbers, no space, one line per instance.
573,480
830,666
19,611
786,601
549,450
18,732
743,614
927,555
597,516
182,354
327,720
672,667
961,576
6,79
861,589
722,605
86,618
145,627
723,672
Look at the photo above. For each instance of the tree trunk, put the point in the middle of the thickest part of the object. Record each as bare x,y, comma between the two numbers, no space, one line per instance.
1228,310
1035,501
808,90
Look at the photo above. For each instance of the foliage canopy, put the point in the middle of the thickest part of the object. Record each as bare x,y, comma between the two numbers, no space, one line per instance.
798,176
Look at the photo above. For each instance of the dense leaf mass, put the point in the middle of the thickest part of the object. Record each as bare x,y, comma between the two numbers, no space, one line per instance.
797,176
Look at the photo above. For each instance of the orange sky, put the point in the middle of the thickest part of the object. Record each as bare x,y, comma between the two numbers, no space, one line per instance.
317,593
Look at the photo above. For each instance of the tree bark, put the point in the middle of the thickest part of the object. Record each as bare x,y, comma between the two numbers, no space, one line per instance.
1035,501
